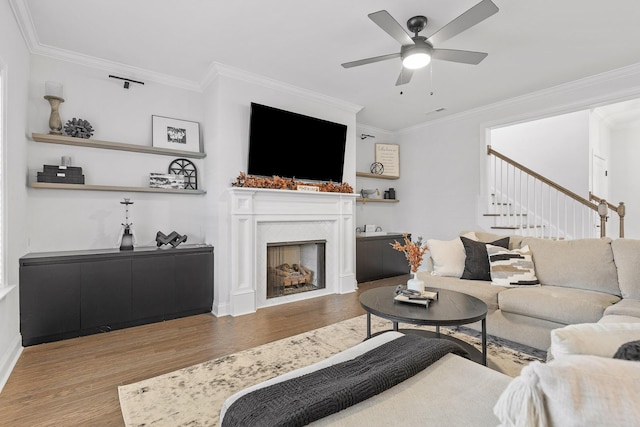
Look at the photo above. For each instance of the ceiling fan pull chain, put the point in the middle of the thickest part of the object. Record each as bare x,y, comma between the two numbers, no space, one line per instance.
431,77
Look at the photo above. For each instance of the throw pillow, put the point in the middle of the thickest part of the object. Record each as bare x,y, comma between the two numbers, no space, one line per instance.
476,264
628,351
597,339
448,256
511,268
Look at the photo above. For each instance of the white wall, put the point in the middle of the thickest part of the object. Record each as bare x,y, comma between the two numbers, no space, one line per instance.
555,147
14,66
440,180
70,220
625,178
227,105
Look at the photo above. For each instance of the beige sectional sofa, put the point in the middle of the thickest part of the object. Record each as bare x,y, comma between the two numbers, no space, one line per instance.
581,281
586,307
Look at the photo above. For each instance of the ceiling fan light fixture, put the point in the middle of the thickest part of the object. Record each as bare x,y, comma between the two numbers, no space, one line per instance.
417,55
416,60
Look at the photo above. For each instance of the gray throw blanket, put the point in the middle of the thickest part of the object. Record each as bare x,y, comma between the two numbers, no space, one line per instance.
302,400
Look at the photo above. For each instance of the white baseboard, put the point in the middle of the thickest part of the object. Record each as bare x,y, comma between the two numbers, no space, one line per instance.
9,359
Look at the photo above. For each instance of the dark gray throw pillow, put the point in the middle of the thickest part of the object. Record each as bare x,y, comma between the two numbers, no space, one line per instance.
628,351
476,264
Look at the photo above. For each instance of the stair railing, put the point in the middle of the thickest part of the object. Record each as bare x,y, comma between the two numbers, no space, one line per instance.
524,200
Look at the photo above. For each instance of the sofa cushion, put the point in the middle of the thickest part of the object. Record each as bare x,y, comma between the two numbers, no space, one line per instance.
626,254
582,263
556,304
476,288
448,256
573,391
596,339
626,307
618,318
511,268
476,263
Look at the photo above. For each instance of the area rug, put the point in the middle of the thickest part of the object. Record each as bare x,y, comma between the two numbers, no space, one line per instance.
193,396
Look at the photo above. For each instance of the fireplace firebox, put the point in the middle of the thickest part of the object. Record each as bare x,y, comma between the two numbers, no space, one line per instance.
295,267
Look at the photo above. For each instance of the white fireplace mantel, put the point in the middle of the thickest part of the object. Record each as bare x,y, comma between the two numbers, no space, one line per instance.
261,216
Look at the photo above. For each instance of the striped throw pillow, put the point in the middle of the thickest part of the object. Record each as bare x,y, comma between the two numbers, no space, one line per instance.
511,268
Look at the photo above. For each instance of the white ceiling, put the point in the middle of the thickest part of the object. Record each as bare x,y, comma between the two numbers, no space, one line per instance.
532,45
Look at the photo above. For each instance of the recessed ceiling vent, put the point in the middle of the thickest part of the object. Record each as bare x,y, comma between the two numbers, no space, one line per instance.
437,110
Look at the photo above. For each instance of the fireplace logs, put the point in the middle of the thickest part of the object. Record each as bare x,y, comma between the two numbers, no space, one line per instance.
292,275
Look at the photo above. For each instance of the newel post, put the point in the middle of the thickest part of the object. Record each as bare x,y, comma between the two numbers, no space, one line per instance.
622,209
602,211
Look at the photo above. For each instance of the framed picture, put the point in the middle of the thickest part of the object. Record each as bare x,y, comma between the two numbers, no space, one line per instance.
175,134
389,156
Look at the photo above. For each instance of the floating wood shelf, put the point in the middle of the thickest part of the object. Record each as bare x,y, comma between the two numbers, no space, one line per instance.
373,175
86,187
108,145
361,200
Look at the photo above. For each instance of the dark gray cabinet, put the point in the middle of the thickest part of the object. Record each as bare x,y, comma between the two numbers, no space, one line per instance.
50,300
376,259
151,282
69,294
188,293
105,294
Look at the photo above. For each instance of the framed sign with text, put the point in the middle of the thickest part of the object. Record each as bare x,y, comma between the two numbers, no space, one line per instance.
389,156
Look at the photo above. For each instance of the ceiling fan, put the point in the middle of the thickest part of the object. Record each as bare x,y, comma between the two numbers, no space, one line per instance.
417,51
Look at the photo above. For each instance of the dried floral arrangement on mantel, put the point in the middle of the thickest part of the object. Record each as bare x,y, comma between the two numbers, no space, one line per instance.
276,182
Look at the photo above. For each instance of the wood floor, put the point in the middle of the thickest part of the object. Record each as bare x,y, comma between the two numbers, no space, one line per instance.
74,382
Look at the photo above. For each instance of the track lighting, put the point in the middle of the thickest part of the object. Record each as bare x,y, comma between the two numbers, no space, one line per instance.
127,82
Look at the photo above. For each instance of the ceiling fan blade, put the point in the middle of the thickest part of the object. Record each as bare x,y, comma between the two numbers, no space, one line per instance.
370,60
463,56
468,19
391,27
404,77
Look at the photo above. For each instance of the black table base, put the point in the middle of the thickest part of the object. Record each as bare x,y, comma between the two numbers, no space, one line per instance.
474,354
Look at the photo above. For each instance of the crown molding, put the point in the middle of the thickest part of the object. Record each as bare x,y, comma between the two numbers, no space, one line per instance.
25,22
217,70
583,84
129,71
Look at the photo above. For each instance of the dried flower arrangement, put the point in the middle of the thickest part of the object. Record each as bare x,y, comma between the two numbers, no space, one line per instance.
244,180
413,251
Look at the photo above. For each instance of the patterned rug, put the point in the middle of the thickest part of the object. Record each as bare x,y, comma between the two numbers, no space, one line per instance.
193,396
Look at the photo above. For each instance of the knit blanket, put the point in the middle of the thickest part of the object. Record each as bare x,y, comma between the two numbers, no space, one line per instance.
302,400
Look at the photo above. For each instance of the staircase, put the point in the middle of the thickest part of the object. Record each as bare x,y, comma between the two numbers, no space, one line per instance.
526,203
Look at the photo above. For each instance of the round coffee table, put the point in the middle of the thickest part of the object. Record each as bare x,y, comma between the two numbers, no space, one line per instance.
450,309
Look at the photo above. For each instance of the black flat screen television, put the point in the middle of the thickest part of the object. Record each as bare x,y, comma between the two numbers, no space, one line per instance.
292,145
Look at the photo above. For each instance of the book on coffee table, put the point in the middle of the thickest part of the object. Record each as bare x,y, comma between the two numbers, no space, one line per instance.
423,299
